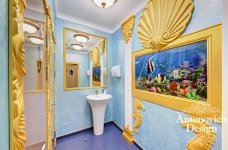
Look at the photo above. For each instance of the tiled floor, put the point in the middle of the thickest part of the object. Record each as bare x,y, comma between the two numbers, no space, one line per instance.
111,140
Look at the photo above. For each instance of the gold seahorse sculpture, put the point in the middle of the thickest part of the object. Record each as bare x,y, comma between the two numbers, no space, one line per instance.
18,73
203,140
205,133
136,115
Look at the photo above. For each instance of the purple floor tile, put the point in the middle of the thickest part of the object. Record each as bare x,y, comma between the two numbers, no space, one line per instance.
111,139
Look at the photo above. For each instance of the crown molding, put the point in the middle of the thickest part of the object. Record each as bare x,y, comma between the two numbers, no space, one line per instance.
94,26
133,12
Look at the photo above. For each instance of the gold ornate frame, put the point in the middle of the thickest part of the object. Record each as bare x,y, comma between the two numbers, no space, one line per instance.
17,72
64,59
213,35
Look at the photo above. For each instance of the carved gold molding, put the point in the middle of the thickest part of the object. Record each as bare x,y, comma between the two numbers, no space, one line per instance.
127,28
50,79
102,47
204,139
17,73
128,134
163,21
96,56
136,114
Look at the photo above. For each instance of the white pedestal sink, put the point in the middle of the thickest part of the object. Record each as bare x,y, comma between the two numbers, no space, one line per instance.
98,104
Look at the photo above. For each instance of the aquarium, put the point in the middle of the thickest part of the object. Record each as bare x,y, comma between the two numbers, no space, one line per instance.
97,74
180,71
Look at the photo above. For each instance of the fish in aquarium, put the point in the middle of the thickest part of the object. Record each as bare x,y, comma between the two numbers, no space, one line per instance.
150,66
180,71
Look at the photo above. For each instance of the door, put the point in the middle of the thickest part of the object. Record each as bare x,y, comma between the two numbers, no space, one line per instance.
72,75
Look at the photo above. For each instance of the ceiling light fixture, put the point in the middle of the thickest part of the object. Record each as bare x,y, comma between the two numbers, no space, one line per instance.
30,27
81,38
104,3
36,40
77,46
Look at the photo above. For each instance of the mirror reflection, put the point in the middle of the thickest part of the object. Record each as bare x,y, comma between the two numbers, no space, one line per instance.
85,60
34,47
34,81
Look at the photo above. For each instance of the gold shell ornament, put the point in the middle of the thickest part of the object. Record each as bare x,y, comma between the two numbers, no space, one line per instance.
163,21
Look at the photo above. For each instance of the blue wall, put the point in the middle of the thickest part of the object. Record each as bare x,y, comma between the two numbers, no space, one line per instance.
4,123
118,83
159,129
72,109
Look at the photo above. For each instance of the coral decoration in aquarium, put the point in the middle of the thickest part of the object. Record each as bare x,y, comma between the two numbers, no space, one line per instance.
180,71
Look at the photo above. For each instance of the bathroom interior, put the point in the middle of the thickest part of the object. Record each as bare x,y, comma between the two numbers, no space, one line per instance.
112,75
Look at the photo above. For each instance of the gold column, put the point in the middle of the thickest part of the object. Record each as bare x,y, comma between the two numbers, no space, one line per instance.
127,30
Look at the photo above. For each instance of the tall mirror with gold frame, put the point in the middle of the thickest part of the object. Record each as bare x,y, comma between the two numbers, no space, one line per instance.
34,54
31,75
85,60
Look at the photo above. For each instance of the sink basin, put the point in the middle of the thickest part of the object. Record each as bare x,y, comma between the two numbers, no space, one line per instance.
98,105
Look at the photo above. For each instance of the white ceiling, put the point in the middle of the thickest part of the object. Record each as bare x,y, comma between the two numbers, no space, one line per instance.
89,45
85,12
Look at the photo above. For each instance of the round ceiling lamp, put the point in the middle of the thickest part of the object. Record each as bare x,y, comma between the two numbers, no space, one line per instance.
30,27
77,46
104,3
81,38
36,40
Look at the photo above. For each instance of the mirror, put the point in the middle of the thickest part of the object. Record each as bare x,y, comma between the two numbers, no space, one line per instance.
34,80
85,60
31,75
34,48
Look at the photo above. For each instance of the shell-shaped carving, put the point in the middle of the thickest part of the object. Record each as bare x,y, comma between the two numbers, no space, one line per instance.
163,21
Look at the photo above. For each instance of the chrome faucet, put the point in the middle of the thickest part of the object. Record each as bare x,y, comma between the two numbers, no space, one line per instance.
104,90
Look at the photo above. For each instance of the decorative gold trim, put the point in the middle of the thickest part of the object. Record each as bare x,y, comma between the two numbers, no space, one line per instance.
96,83
17,72
213,35
50,79
204,139
102,47
64,59
91,55
163,21
127,28
136,114
128,134
96,57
